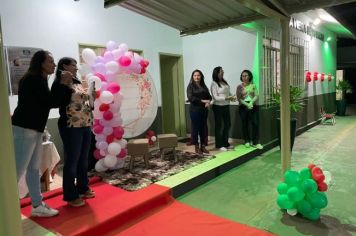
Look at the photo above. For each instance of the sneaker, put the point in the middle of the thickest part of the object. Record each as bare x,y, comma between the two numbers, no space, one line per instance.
224,149
88,194
247,145
43,210
258,146
76,202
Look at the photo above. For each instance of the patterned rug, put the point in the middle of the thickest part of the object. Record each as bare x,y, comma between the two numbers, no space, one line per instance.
159,169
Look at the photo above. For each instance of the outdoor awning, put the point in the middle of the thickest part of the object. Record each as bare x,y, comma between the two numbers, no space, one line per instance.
196,16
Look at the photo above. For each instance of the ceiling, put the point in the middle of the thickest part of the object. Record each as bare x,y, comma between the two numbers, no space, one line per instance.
192,17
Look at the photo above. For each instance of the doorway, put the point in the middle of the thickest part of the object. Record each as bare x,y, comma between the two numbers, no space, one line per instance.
172,92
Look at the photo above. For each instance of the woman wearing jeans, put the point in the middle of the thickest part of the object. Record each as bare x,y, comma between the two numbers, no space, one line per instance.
28,123
220,91
199,98
74,124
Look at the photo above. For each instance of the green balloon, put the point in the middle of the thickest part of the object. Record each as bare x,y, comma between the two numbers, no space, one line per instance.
284,202
314,214
317,200
305,173
295,194
309,186
282,188
292,178
304,207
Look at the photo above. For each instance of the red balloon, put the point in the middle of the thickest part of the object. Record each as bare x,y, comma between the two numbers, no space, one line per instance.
317,174
97,94
104,107
122,153
110,138
322,187
311,166
108,115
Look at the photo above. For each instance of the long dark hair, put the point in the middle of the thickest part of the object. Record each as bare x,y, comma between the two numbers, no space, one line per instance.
216,79
202,83
250,76
63,61
37,59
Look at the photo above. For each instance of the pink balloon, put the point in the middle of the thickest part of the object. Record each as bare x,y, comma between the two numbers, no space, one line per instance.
107,130
122,153
102,145
96,122
124,61
97,154
101,77
97,129
113,87
108,115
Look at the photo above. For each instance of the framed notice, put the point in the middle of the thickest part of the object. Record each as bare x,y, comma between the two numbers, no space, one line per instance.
17,63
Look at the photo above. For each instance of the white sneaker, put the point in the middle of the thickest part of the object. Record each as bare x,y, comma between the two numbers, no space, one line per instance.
247,145
224,149
44,210
258,146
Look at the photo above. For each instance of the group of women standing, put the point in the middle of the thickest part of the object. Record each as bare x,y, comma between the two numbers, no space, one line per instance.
29,119
200,99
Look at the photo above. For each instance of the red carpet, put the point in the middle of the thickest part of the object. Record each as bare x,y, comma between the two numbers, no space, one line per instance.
178,219
150,211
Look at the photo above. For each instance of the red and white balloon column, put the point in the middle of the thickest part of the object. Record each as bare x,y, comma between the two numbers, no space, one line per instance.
117,59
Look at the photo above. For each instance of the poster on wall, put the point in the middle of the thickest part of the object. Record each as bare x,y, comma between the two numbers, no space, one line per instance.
17,61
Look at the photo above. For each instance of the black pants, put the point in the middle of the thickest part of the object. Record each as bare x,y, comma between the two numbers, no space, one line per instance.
249,120
222,125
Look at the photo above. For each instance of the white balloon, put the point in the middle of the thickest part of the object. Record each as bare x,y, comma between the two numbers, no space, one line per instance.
100,137
119,163
89,56
123,143
114,149
123,47
110,161
153,138
112,66
99,166
117,53
107,130
319,76
328,177
292,211
111,45
84,69
106,97
97,114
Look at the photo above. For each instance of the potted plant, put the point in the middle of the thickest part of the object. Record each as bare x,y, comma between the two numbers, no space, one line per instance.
296,104
342,87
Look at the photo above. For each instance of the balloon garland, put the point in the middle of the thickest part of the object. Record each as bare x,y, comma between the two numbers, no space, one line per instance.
102,73
303,192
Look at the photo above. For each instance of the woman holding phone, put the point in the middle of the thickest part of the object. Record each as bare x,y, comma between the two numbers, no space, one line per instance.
74,124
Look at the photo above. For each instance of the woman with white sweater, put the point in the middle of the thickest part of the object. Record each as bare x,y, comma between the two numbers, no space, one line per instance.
220,91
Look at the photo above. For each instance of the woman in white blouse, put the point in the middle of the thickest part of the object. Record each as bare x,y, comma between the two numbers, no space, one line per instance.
220,91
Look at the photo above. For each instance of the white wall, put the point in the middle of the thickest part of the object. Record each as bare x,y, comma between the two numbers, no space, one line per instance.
58,26
317,57
230,48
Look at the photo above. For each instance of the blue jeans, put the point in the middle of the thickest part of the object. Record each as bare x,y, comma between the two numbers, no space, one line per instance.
28,151
76,144
199,123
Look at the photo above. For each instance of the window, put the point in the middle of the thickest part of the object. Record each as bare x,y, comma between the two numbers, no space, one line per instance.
271,65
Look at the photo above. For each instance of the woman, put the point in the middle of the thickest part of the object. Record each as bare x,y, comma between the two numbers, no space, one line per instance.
28,123
74,126
220,91
199,98
247,95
